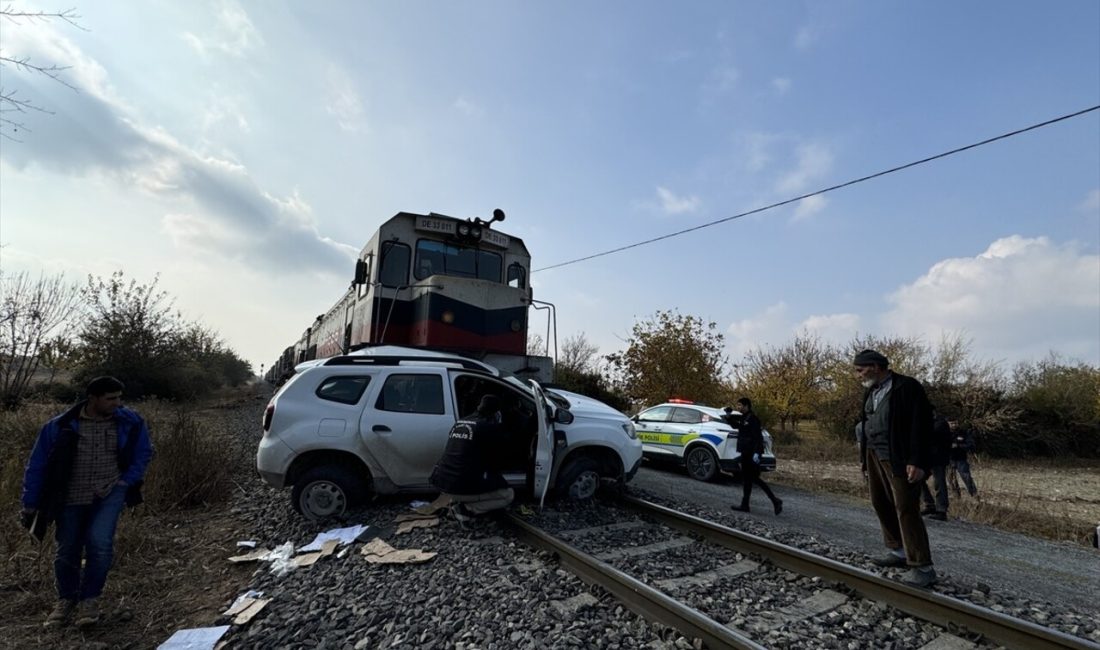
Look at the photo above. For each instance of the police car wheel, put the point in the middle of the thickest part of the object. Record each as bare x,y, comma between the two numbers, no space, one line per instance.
579,479
702,464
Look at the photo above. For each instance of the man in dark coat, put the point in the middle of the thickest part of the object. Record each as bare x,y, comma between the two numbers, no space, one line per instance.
86,465
962,443
936,508
468,473
750,445
896,454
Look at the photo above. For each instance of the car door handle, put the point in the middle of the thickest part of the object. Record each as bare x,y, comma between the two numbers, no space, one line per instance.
381,428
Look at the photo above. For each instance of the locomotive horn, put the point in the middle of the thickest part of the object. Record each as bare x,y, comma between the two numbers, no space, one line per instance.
498,215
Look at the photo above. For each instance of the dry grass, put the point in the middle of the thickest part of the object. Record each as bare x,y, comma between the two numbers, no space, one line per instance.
1056,500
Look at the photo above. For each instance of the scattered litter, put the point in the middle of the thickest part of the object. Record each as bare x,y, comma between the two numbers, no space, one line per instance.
342,535
258,554
526,511
379,552
418,504
246,607
281,564
413,517
420,522
441,502
341,554
200,638
246,544
308,559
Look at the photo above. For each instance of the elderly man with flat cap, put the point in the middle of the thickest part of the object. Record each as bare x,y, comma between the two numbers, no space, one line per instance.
468,474
895,452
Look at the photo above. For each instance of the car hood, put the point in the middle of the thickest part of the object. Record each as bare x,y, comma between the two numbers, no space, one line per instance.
586,407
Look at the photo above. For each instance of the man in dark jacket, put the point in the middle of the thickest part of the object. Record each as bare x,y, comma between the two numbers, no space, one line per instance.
469,471
896,454
750,445
941,450
962,443
87,464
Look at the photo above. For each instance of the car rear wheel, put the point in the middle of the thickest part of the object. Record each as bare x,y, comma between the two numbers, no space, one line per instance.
702,463
326,491
579,479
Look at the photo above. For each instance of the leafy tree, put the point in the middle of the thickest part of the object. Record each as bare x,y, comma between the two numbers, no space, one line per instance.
786,383
1060,404
32,313
671,355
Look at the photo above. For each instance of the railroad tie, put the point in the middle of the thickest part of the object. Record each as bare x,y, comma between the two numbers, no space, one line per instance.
708,577
948,642
592,530
634,551
821,602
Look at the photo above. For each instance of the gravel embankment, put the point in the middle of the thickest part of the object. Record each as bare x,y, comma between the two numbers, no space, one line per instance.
485,590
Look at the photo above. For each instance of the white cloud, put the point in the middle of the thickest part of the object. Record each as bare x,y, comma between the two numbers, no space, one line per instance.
232,33
1019,299
766,328
814,162
809,206
782,85
468,108
836,329
806,36
673,204
342,101
1091,202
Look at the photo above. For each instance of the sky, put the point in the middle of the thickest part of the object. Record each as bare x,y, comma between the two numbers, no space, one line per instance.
243,152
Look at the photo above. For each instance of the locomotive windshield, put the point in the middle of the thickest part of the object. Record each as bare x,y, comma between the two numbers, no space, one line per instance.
438,258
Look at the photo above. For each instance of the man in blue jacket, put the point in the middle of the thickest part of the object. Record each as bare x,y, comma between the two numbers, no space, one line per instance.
87,464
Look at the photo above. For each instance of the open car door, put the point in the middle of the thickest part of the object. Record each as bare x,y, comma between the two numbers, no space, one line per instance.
544,450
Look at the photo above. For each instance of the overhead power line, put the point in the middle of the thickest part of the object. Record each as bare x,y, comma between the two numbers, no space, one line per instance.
823,191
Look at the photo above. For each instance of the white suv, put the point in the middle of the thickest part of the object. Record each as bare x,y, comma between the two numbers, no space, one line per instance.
697,436
377,420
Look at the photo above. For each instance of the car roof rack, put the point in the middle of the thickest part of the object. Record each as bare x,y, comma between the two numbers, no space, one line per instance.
394,360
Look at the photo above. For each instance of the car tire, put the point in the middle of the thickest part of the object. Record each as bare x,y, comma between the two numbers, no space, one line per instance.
327,491
579,479
701,463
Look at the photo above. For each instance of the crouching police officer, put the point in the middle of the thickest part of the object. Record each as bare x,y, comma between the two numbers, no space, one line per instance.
469,472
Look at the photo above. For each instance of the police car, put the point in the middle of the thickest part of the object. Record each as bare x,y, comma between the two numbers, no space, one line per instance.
697,436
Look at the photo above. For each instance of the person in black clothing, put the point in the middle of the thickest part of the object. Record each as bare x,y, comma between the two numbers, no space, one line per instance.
750,444
895,455
941,450
962,443
468,473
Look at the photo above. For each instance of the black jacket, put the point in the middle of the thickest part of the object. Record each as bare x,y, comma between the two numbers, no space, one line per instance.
941,442
911,438
750,437
962,443
470,462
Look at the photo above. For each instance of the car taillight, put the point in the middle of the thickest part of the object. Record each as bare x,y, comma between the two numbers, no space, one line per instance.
269,413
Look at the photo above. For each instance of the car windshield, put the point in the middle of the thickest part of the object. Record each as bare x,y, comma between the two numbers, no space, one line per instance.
558,400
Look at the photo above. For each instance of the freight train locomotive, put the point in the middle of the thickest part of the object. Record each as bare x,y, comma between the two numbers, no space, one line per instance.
437,282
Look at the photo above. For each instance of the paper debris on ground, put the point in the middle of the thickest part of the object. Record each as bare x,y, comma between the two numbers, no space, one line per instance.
200,638
342,535
307,559
441,502
379,552
417,504
236,606
421,522
246,544
247,609
258,554
281,562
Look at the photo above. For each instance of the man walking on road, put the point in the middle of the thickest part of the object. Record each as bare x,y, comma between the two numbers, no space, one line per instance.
750,446
962,443
87,464
896,454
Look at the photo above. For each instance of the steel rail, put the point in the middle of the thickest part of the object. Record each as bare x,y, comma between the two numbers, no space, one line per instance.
927,605
649,603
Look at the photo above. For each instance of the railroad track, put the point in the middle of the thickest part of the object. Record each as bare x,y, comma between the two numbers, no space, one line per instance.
658,531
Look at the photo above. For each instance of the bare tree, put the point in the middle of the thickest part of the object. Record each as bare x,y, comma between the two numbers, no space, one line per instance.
536,345
12,104
787,382
31,312
578,354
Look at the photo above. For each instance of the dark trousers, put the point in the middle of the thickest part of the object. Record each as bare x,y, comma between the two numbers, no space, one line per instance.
750,473
87,532
961,467
897,503
939,484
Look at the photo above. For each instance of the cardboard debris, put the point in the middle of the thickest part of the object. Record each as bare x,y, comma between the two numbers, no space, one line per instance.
441,502
241,600
416,516
379,552
249,609
201,638
308,559
342,535
258,554
406,526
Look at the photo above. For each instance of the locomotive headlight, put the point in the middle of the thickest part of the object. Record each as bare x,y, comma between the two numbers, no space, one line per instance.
516,325
448,317
475,233
463,230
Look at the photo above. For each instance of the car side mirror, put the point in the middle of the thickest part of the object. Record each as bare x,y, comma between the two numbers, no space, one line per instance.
562,416
635,419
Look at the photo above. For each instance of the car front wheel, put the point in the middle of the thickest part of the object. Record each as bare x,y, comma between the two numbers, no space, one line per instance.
327,491
579,479
702,464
